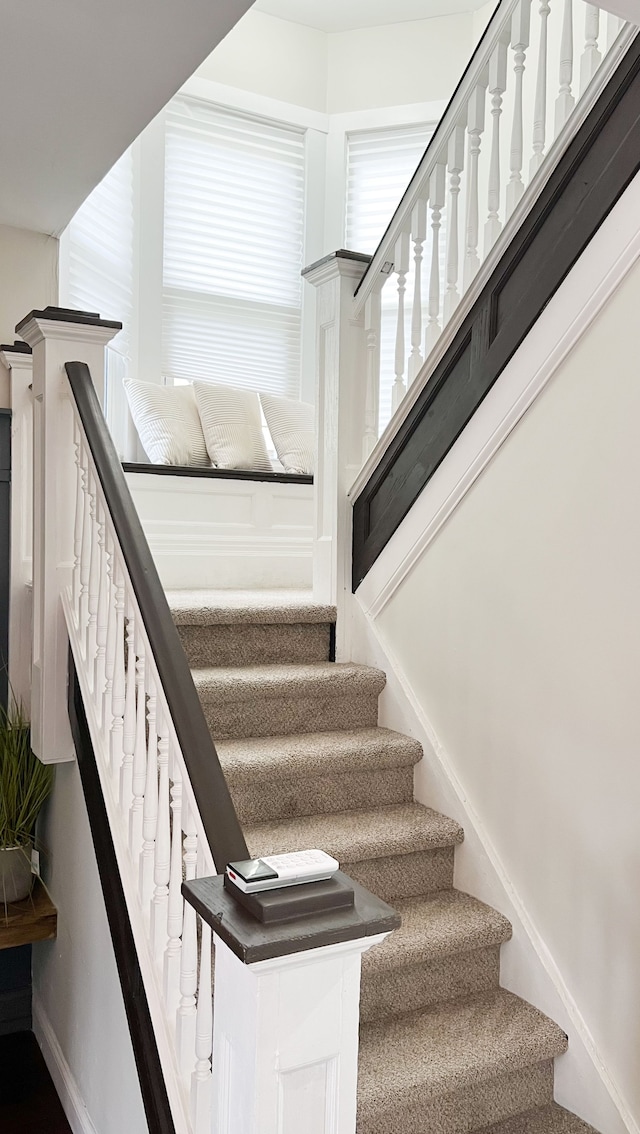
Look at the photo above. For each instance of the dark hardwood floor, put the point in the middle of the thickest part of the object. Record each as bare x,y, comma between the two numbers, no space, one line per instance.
28,1101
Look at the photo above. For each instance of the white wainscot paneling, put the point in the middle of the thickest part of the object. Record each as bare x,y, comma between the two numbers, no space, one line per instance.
206,532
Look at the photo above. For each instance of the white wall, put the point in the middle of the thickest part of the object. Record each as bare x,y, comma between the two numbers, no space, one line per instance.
28,280
518,634
76,989
274,58
415,61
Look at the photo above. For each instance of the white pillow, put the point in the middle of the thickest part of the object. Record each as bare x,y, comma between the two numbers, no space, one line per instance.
232,427
168,423
291,425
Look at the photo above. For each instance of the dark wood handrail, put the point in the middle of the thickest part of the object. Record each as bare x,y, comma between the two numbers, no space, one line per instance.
436,140
217,812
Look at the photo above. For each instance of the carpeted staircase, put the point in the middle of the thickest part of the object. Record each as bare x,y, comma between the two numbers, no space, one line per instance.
444,1050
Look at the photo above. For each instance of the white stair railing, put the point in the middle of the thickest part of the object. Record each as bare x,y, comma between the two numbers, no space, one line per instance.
154,818
533,77
160,811
96,590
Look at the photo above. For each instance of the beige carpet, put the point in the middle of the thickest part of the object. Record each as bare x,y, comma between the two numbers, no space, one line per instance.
443,1049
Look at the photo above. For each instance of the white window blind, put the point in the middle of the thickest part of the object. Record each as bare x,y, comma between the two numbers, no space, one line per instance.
380,164
101,252
233,248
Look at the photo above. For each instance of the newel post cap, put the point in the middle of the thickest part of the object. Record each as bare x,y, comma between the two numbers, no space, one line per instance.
66,323
343,263
252,940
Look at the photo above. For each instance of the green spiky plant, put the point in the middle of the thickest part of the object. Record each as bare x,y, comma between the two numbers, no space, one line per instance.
25,783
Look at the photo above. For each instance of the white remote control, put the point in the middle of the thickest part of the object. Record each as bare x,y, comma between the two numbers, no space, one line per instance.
278,870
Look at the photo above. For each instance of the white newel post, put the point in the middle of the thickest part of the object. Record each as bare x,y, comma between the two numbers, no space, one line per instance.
287,1009
56,336
341,400
18,361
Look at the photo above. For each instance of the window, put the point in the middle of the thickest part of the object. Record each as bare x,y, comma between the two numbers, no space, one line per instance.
380,164
233,248
100,269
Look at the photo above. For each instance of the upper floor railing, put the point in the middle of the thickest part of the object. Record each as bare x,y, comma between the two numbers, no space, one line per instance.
530,83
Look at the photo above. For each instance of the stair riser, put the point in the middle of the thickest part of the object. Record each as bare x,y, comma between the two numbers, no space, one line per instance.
444,978
282,716
405,875
246,644
286,799
467,1110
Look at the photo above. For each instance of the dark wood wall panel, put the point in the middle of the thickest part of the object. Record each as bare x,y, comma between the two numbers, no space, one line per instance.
590,177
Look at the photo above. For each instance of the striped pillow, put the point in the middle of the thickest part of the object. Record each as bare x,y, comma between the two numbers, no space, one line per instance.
232,427
291,425
168,424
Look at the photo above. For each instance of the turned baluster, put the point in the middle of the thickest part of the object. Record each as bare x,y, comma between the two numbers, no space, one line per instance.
129,723
110,650
186,1014
201,1078
540,105
119,679
372,323
401,266
139,767
455,163
591,56
475,127
162,859
150,808
497,87
77,527
85,557
94,582
565,101
102,615
437,188
520,28
419,235
175,903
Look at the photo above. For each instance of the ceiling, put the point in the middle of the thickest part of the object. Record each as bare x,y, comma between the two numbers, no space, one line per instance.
79,81
346,15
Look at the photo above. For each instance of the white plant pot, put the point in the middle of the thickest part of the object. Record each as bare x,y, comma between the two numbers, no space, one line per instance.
15,874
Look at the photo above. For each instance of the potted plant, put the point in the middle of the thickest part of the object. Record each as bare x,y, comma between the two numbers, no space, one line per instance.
25,783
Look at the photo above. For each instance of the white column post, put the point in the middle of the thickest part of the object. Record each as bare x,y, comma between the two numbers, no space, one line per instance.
341,399
287,1031
19,363
56,336
287,1006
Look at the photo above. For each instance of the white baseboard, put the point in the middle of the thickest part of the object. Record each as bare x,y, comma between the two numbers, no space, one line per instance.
61,1074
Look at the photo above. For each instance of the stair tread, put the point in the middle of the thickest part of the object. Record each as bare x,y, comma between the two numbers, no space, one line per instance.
355,836
314,754
436,925
451,1046
211,608
313,679
551,1119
